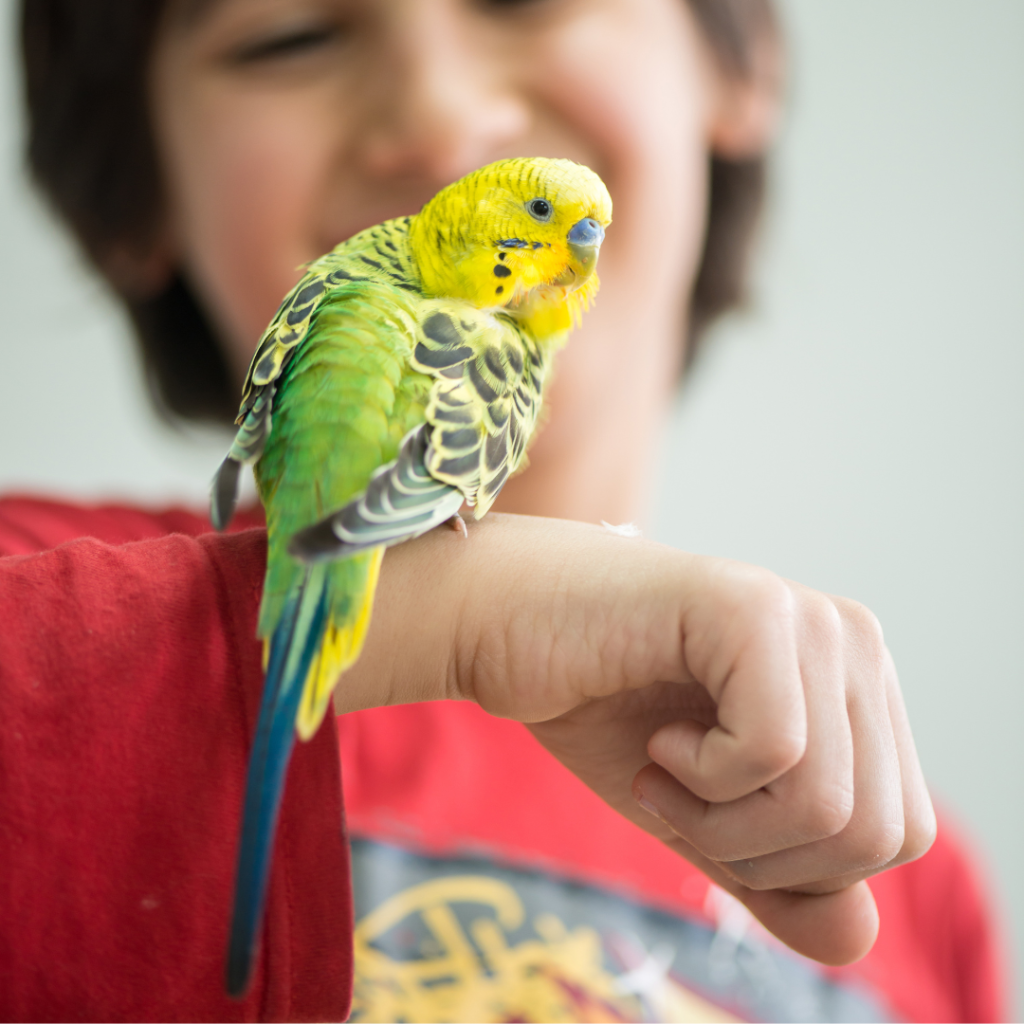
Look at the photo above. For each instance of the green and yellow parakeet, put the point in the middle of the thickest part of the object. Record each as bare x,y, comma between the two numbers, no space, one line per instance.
401,377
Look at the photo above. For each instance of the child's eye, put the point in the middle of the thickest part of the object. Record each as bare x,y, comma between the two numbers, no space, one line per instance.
294,42
514,7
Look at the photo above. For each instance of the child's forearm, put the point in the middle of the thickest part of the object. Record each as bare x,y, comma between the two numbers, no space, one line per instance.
782,755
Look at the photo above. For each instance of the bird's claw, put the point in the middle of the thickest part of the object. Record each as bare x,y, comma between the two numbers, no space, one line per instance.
458,524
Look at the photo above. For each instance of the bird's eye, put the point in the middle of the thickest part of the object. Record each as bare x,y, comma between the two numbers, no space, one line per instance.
539,209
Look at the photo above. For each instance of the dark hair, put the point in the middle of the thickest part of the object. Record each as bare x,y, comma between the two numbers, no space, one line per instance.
91,151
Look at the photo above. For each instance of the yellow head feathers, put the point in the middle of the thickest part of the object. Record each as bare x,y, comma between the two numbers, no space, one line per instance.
520,235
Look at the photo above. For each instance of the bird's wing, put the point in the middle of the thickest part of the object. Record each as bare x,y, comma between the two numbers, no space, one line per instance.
483,405
483,408
277,346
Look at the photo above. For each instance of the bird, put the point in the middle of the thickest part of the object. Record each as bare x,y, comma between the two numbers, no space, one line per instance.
400,379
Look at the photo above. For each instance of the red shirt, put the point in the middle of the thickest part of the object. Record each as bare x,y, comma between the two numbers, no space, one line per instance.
130,680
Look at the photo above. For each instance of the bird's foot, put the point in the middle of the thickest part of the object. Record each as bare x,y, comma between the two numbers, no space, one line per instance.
458,524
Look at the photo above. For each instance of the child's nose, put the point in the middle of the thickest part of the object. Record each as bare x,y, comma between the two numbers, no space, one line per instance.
440,106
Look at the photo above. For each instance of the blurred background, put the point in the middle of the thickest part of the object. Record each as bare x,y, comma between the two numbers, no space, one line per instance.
860,428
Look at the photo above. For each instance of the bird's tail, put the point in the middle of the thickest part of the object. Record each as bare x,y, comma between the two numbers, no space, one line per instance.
306,654
341,647
293,649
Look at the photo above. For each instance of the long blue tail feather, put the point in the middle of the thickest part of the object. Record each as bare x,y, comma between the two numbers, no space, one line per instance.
268,763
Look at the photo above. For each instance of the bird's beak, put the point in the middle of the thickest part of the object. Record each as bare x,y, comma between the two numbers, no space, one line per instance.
585,238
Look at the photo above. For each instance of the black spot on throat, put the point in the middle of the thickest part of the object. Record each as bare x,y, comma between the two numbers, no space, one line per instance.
501,271
499,289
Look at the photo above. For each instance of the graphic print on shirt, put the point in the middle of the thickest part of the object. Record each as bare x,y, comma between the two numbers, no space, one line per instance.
466,939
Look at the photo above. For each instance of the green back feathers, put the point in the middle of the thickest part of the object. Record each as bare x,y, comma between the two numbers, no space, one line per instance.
341,410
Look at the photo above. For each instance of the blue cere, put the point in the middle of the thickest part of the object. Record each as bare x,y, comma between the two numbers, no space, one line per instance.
586,232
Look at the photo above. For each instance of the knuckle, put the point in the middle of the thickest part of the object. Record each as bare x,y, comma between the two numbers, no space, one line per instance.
919,834
863,618
776,754
889,842
877,850
758,591
774,597
829,810
823,619
862,628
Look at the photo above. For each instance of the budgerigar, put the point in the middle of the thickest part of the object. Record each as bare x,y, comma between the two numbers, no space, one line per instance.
401,377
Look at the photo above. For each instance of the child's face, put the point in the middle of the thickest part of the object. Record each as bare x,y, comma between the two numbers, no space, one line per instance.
284,126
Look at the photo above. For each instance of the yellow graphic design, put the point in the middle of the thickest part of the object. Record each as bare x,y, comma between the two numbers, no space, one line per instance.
473,972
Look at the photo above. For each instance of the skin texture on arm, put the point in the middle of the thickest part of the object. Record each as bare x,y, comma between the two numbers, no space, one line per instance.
749,694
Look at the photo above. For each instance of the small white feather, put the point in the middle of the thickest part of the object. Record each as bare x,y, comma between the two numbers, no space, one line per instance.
624,530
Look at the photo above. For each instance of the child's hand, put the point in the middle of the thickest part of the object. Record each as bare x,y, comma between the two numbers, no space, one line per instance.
783,764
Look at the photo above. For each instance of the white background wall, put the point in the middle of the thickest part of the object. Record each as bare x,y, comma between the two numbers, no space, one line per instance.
860,429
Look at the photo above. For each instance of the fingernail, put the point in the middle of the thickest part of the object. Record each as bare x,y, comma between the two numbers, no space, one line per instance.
648,806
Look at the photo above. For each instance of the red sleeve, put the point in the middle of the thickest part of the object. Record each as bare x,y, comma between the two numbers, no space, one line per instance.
940,949
129,683
29,524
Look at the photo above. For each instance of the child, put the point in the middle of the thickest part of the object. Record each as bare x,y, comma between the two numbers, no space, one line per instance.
202,151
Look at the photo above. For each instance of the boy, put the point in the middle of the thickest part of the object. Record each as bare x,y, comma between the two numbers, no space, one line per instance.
263,133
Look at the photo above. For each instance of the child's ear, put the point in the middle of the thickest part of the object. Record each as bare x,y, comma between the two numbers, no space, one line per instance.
140,270
745,116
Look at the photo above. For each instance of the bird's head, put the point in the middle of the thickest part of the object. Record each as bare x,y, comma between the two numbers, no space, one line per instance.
519,235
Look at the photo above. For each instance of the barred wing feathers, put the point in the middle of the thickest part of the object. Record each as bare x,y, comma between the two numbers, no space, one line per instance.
402,501
485,402
483,407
